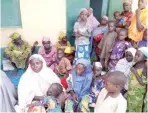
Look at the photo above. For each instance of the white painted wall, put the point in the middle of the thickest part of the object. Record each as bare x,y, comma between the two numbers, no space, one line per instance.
39,18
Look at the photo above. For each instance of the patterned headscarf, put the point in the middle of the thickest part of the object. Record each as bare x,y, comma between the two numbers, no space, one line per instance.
14,36
62,35
144,50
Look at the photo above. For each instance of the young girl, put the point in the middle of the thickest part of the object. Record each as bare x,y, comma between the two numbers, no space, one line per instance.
119,48
110,100
139,22
97,83
107,43
99,32
124,65
69,54
63,67
137,82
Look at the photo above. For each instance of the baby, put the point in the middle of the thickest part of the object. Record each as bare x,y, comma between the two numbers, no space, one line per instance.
53,102
97,83
110,100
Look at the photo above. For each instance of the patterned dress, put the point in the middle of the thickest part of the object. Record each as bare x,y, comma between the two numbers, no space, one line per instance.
118,52
17,54
136,93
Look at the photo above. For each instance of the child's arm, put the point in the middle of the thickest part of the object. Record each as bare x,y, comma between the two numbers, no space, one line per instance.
138,22
137,76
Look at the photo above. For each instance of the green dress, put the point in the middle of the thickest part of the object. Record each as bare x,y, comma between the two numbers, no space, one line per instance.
17,54
136,93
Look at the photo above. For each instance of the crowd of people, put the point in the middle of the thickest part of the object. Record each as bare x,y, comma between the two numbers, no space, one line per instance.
62,78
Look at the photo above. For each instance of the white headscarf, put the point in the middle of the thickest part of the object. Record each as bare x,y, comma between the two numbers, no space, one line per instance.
132,50
34,84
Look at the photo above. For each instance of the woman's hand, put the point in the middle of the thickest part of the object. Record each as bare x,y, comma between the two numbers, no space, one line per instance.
75,97
133,70
138,12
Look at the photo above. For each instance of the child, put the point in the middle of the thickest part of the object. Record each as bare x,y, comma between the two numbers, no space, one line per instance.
69,54
63,67
99,32
143,42
119,19
97,83
107,43
139,22
137,82
119,48
52,102
110,100
124,65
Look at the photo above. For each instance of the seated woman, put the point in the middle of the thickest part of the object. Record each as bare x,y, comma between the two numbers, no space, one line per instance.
8,94
63,42
18,51
79,85
48,52
35,82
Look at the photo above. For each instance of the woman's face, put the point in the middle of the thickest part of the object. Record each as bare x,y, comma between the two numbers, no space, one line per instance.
46,44
97,71
80,69
139,57
18,41
126,6
83,15
36,65
103,21
129,56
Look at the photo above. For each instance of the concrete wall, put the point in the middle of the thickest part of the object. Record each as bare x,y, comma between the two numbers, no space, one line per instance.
39,18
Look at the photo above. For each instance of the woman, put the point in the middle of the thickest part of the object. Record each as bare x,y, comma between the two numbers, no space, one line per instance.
48,52
82,34
79,86
139,22
63,42
8,94
35,82
18,51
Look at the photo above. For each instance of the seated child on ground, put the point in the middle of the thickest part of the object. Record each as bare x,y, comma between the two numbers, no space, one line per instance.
119,48
52,102
110,100
97,83
63,68
69,54
106,44
124,65
143,42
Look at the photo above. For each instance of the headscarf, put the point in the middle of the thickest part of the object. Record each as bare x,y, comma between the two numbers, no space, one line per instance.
144,50
128,1
14,36
97,64
62,35
132,50
34,84
105,17
82,10
82,84
68,50
46,39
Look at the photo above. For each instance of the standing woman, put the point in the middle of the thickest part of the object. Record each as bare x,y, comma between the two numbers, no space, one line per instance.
63,42
82,34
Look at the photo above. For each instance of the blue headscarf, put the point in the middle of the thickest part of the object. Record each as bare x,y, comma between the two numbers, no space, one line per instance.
144,50
82,84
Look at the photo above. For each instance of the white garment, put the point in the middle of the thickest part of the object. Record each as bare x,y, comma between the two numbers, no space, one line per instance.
110,104
34,84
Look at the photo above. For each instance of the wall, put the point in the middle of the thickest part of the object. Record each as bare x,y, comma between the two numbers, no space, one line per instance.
39,18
